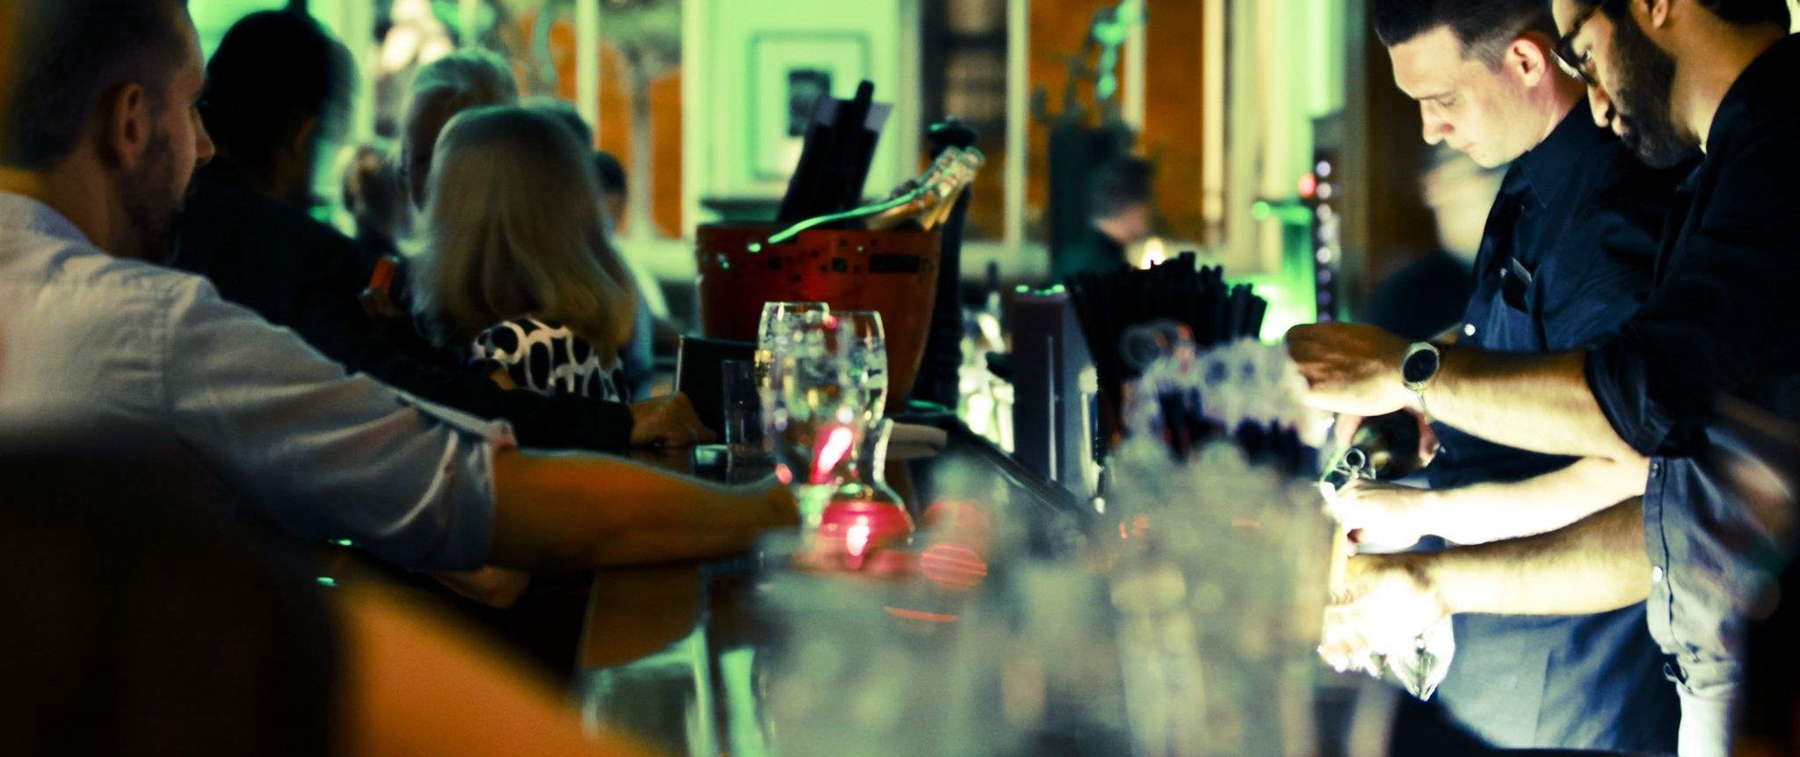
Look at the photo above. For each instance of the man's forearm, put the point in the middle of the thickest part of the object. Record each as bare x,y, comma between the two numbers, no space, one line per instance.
1493,511
1540,403
1595,565
567,512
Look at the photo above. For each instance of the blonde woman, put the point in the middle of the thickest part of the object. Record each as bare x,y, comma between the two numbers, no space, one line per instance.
517,272
472,79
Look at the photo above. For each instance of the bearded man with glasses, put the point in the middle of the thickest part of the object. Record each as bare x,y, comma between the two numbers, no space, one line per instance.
1673,76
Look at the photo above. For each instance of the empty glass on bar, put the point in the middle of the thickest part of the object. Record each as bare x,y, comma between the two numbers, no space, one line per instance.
744,436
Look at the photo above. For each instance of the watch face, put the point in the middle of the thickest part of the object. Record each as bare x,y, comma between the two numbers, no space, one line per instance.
1420,366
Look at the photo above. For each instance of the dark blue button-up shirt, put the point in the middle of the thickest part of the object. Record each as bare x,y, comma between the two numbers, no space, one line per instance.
1566,257
1720,320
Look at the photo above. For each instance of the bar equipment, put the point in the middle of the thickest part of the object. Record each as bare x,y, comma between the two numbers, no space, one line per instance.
809,409
1178,291
892,272
890,265
1054,426
863,514
698,370
1385,448
835,157
941,370
1179,621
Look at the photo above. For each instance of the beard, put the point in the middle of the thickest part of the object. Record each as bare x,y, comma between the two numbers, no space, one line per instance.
1644,97
153,197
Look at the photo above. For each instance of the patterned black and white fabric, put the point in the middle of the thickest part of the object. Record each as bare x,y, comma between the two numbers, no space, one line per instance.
548,358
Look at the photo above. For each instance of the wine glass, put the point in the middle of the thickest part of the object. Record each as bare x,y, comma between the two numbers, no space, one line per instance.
776,320
814,409
866,349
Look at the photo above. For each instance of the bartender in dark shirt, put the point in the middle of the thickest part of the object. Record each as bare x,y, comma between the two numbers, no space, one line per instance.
1668,76
278,91
1565,255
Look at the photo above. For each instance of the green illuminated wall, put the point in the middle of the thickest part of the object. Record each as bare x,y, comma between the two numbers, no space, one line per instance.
739,63
1287,66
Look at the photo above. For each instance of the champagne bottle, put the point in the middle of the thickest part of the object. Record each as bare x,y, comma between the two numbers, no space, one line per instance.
933,195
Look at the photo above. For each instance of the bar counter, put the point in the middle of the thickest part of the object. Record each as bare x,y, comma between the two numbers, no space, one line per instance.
1017,640
680,656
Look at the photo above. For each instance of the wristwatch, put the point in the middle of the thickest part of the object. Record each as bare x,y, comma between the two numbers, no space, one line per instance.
1420,366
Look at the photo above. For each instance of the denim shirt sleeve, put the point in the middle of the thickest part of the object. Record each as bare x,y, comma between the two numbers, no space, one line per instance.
323,454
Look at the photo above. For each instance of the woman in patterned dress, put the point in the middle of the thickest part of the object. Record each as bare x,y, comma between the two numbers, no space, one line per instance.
517,273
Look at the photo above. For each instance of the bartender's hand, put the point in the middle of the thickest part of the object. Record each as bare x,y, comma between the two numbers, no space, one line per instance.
1386,602
1350,368
1385,514
668,422
1343,430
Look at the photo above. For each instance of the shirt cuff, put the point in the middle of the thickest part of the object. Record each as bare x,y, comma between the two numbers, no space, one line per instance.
1619,380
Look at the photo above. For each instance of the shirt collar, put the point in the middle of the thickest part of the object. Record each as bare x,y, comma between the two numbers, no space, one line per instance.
1547,168
20,213
1767,82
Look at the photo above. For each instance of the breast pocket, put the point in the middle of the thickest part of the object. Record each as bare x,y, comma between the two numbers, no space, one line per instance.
1514,319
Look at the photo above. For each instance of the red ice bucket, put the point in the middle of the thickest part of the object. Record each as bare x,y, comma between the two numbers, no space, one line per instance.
894,273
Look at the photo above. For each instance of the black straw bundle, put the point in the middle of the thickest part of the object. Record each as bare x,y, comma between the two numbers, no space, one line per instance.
1109,303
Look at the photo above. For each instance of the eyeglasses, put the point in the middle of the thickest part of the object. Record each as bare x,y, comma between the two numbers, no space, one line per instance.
1572,62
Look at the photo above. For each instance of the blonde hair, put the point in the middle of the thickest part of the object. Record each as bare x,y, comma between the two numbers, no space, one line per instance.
477,74
514,228
438,92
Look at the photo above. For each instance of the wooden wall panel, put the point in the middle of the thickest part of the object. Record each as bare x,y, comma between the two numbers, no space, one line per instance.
1173,106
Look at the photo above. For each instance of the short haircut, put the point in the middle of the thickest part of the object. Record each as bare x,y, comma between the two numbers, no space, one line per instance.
1483,27
1737,12
274,71
66,55
371,188
1119,184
